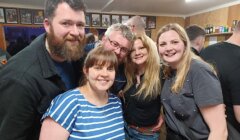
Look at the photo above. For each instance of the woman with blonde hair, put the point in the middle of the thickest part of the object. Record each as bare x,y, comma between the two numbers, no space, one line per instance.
191,95
142,92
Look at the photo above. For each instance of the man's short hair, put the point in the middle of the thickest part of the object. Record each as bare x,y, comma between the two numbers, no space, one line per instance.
194,31
51,6
124,29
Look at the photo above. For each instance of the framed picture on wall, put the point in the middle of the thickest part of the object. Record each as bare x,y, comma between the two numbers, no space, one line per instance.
106,21
115,19
95,19
2,16
88,19
151,22
38,16
145,20
124,18
25,16
11,15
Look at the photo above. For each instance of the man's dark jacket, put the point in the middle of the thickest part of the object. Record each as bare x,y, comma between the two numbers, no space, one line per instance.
28,83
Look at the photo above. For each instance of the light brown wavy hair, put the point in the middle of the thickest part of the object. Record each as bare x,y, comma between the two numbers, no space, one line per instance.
151,84
188,55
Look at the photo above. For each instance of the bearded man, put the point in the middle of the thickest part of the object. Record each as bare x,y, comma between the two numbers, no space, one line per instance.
44,69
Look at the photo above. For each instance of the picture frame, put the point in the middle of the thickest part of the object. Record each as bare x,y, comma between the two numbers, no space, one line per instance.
106,20
88,19
38,16
145,20
11,15
151,22
115,19
96,20
2,15
25,16
124,18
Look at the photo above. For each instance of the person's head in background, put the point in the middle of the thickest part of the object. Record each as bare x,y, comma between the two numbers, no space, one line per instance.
94,31
65,26
196,36
137,24
118,38
99,69
90,38
235,37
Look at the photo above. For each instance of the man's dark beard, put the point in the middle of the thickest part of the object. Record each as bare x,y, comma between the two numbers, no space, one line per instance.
59,47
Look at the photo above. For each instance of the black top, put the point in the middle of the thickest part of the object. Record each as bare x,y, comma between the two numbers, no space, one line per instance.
28,83
225,57
141,112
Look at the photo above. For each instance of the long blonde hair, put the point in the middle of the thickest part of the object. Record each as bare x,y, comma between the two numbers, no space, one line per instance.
188,55
151,85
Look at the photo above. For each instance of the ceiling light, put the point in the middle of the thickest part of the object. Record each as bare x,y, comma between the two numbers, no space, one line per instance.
189,0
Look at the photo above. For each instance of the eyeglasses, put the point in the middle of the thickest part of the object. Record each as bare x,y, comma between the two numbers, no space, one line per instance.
131,26
116,45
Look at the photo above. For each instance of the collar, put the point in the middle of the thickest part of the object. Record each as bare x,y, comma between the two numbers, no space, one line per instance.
46,63
195,51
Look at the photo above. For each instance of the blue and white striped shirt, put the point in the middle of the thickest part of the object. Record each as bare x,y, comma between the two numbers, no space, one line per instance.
84,120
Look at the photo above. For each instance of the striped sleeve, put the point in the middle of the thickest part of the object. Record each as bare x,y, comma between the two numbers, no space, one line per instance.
64,109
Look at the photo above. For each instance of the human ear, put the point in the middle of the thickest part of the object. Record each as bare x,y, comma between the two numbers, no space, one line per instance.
85,70
46,24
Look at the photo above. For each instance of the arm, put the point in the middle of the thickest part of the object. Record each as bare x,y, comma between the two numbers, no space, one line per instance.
215,118
51,130
236,109
160,122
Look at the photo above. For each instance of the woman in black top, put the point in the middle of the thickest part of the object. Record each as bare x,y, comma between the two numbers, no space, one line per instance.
142,92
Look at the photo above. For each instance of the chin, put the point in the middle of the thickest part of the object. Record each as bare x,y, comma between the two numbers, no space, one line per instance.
103,88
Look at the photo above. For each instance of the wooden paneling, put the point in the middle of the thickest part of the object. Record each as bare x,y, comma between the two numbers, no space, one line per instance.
187,21
233,13
163,20
2,38
216,18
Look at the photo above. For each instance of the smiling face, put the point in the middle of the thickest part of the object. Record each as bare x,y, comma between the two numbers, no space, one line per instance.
66,32
100,77
139,53
117,43
171,48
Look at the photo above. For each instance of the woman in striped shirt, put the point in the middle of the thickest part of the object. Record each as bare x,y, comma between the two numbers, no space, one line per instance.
89,111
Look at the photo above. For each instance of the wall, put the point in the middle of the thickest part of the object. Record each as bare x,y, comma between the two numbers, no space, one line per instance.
163,20
223,16
233,13
219,17
216,17
2,38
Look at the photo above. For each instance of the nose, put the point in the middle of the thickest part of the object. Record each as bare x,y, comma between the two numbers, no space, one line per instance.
75,30
137,51
104,72
168,47
117,50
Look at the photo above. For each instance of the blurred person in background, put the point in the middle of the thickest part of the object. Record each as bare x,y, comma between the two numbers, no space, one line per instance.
225,57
